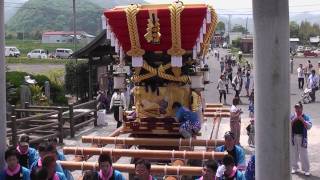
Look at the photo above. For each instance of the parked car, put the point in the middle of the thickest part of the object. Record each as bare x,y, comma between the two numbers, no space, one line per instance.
300,49
307,49
309,53
63,53
317,51
38,53
11,51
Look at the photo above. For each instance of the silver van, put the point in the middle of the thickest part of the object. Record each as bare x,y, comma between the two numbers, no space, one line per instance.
63,53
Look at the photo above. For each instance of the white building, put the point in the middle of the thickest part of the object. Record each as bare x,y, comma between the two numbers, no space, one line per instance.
66,37
234,36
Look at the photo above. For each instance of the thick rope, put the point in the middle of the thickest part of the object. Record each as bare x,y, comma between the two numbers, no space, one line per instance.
175,11
131,13
210,32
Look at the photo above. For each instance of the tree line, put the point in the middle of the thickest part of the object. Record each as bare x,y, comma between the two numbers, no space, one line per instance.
304,30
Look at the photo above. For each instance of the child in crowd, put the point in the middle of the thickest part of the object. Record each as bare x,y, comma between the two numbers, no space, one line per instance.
106,171
49,163
209,170
142,170
26,154
14,171
228,170
251,104
250,131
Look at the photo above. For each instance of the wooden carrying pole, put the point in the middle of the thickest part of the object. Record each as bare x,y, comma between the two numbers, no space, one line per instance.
216,114
212,105
158,154
216,110
155,169
150,141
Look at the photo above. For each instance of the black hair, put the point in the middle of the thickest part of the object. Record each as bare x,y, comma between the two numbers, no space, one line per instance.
228,160
176,105
212,164
105,158
24,138
47,160
229,133
313,71
90,175
39,174
11,152
146,163
55,140
42,147
235,101
50,147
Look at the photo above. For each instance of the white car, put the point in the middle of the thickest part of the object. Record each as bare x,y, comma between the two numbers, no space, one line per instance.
317,51
11,51
37,53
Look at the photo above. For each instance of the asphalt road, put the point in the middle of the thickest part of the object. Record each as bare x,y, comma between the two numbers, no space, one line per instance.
211,95
312,109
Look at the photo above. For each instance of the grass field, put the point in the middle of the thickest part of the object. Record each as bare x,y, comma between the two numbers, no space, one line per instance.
25,60
28,45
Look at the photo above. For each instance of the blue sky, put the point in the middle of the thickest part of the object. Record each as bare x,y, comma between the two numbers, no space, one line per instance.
244,6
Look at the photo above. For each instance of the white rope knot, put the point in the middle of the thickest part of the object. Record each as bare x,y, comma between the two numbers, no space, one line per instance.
82,167
82,151
172,153
178,170
184,155
165,170
101,150
180,143
212,155
76,150
190,140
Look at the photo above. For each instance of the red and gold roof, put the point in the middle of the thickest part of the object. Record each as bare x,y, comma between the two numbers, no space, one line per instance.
172,28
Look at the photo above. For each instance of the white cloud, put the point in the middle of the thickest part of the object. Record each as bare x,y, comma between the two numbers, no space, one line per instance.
245,6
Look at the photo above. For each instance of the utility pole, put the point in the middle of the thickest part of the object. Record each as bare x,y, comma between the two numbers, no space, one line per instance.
272,89
3,112
246,26
229,28
74,26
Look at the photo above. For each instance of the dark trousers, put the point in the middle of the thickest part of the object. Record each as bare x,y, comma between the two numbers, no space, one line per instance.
300,83
237,95
222,93
313,94
116,115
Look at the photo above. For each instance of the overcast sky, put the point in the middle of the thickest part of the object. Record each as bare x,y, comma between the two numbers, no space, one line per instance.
244,6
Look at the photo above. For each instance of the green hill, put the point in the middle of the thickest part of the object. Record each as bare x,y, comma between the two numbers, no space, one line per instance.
43,15
113,3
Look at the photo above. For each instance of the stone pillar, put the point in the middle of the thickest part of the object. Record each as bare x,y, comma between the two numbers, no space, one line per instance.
90,78
272,93
3,123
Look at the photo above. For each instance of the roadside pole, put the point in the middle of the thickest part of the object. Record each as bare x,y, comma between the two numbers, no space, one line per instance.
272,89
3,103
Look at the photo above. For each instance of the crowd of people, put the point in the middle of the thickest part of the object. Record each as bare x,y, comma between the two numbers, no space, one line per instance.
25,163
307,75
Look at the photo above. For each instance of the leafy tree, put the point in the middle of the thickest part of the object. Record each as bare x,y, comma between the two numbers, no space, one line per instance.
239,28
294,29
221,27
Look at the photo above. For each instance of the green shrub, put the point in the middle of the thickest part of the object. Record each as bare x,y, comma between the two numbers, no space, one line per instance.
15,79
76,79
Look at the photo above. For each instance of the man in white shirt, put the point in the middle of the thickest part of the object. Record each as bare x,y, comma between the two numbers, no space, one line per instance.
118,100
300,72
313,83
